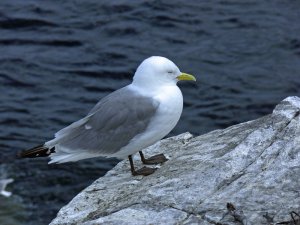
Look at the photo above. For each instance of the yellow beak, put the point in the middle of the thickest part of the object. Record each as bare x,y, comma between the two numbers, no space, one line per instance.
185,76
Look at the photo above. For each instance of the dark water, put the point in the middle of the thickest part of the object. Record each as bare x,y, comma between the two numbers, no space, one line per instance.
58,58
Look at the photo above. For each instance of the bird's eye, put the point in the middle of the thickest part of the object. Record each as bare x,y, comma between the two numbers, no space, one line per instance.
170,71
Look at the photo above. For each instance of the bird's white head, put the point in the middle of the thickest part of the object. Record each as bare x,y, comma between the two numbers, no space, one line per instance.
157,71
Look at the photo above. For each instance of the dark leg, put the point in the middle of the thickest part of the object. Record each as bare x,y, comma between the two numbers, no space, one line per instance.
156,159
145,171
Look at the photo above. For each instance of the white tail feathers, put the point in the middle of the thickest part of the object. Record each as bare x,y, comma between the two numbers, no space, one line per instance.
62,155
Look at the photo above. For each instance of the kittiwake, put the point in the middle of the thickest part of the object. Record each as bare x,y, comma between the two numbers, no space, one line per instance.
125,121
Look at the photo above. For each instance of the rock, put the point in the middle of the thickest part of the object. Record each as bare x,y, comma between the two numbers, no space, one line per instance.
246,174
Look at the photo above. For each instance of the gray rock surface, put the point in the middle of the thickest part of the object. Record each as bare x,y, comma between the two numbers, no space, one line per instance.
255,166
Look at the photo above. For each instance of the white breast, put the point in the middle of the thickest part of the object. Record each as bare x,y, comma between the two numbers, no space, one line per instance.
166,118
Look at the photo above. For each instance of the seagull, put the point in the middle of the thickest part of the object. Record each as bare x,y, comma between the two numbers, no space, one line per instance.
125,121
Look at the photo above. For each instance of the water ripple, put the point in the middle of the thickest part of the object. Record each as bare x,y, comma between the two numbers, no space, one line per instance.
58,58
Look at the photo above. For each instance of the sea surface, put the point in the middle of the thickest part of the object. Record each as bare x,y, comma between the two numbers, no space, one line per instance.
59,57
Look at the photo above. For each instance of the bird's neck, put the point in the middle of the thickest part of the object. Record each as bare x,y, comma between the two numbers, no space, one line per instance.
150,89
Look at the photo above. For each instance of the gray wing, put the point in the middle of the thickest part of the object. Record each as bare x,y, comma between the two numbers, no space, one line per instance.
110,125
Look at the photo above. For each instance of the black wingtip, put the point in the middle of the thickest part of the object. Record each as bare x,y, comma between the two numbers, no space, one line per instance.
38,151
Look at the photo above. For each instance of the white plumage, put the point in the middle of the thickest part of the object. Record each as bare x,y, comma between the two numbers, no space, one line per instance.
127,120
